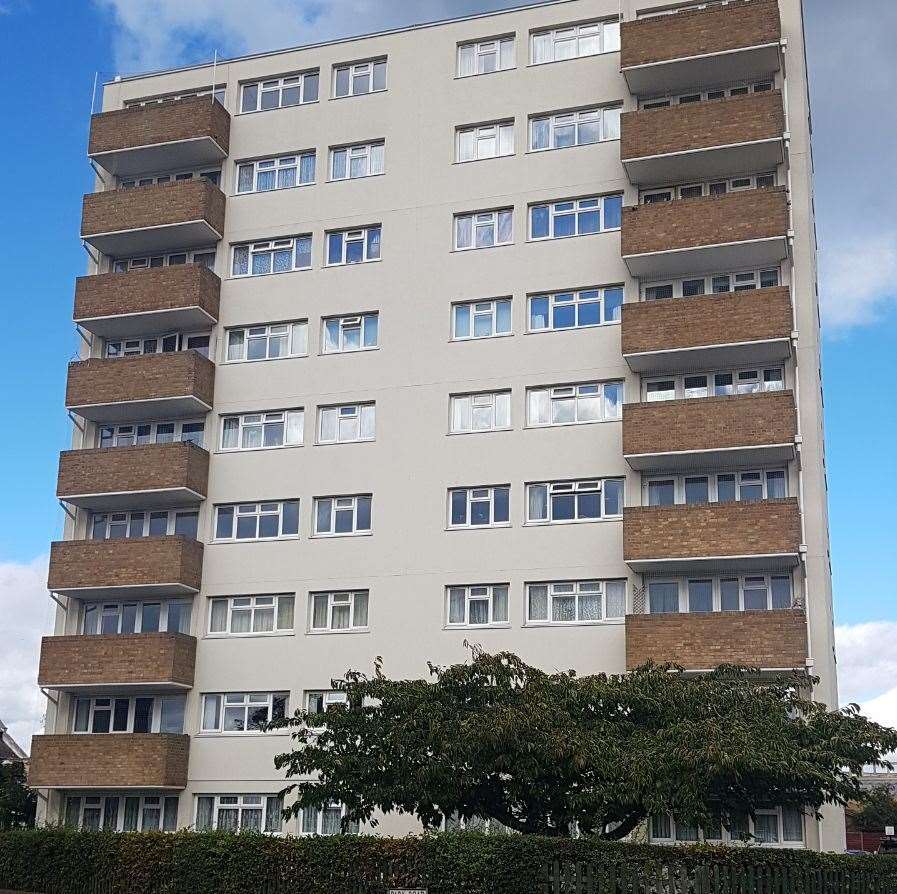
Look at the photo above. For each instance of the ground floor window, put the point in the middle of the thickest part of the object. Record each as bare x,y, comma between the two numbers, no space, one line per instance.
122,813
239,813
772,826
326,820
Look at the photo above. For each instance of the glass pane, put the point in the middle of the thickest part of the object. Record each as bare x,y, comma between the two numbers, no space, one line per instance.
615,598
729,600
663,597
700,596
538,603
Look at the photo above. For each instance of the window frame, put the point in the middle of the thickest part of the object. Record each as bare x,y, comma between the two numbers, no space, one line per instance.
132,516
576,211
334,507
488,494
352,67
576,122
707,94
354,600
368,154
272,246
262,422
363,320
252,608
164,259
276,165
679,391
144,803
500,126
177,434
359,413
247,703
479,308
293,328
477,219
351,235
487,595
599,299
319,821
677,285
472,396
110,703
553,394
258,515
266,804
717,579
103,608
281,82
478,54
708,188
601,589
726,833
606,44
574,487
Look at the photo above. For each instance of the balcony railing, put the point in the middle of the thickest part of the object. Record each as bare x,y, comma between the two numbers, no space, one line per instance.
128,388
721,43
187,133
180,298
163,661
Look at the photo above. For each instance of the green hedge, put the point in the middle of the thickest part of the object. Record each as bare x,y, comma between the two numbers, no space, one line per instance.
59,860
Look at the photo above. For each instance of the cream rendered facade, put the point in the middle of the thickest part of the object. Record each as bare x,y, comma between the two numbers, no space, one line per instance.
411,556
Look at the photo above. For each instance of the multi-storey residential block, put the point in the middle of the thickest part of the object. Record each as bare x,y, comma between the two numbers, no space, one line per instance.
502,329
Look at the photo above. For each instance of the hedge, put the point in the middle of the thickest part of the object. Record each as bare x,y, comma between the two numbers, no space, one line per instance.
61,860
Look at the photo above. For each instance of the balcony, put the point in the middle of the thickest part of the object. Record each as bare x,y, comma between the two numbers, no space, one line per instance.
111,761
712,536
151,476
710,432
144,219
738,230
188,133
123,389
715,45
771,640
703,140
116,305
151,566
705,331
160,661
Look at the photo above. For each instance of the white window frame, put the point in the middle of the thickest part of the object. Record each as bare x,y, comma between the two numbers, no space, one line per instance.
203,256
576,391
502,48
355,235
270,807
500,133
295,332
286,419
488,400
106,609
276,166
272,247
343,503
484,219
356,602
761,580
739,480
101,801
108,703
574,488
259,510
218,92
302,80
360,321
165,343
373,154
607,34
253,606
355,70
478,593
577,589
481,309
727,837
326,697
147,433
248,701
480,494
317,815
768,379
359,412
607,119
575,208
734,281
213,175
706,94
576,298
130,518
704,188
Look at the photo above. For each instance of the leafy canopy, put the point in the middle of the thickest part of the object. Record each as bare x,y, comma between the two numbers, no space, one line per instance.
877,811
17,802
543,752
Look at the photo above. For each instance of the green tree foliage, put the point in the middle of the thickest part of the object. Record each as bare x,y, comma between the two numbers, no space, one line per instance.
879,809
546,753
17,802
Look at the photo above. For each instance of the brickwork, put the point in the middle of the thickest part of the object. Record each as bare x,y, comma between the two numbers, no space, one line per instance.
141,207
148,377
772,639
700,125
717,29
185,119
727,318
121,760
149,467
126,659
709,220
710,423
143,561
147,291
770,527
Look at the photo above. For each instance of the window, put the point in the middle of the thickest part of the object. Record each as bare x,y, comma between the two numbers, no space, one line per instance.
272,256
117,813
346,423
353,333
488,411
327,821
272,342
718,283
341,611
587,39
575,217
213,176
361,160
481,319
204,256
279,93
134,714
572,602
710,188
574,404
276,173
720,384
257,521
237,615
485,56
241,712
353,246
159,523
732,593
724,487
577,128
239,813
161,344
780,827
141,433
252,431
217,92
478,507
360,78
477,606
342,516
554,502
703,95
575,309
322,700
484,141
152,616
484,229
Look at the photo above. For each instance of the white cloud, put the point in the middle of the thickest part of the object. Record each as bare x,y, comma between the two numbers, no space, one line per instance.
867,668
27,612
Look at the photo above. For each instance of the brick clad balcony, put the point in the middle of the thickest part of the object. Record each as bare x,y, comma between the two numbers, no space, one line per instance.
143,219
701,46
114,305
152,566
727,536
738,230
111,761
704,331
186,133
771,640
164,660
128,388
710,432
702,140
149,476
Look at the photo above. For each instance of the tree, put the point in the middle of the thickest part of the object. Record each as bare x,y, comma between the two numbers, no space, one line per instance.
877,811
545,753
17,802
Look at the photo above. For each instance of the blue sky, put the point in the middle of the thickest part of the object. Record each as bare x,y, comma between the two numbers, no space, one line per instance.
51,50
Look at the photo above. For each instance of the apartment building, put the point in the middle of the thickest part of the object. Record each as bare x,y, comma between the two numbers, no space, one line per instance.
502,329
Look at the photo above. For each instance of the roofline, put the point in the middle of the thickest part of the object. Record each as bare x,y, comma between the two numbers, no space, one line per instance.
419,26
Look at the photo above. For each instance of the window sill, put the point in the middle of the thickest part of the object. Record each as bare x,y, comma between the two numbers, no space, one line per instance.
473,161
358,95
253,734
261,360
353,351
238,450
499,526
574,146
498,625
573,328
265,192
464,251
353,264
606,622
344,443
347,631
485,431
256,540
259,635
482,74
238,276
353,179
480,338
298,105
536,239
572,521
571,59
341,536
572,424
